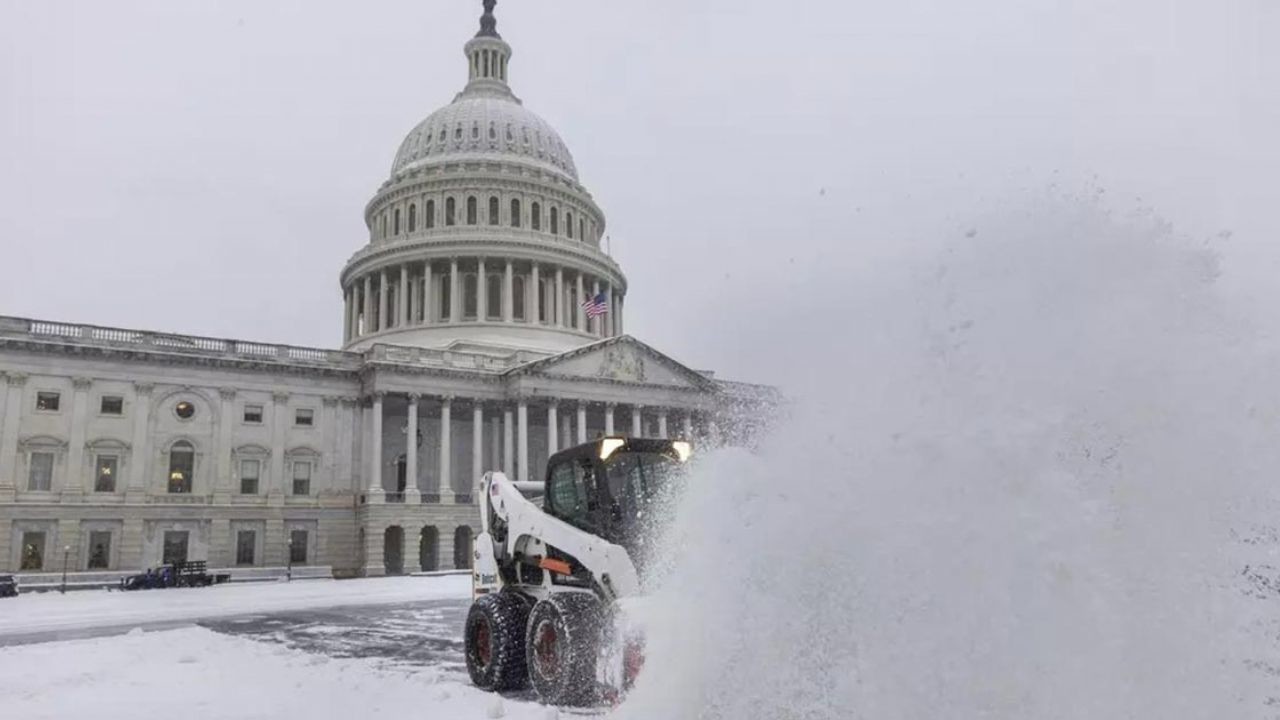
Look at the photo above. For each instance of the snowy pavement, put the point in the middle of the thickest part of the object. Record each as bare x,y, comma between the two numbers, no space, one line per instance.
317,649
52,616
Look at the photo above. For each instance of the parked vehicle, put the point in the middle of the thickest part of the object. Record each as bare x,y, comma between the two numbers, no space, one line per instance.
184,574
8,586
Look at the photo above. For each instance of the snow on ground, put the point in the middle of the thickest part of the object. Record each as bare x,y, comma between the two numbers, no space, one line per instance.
53,612
197,673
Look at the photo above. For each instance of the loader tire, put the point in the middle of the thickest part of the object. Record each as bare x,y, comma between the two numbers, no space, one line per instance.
494,641
564,635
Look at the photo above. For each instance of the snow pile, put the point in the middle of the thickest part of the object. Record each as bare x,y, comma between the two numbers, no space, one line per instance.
1015,486
49,612
196,673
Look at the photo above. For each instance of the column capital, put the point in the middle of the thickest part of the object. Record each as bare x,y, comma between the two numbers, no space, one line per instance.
81,383
142,388
611,406
349,400
413,398
280,397
377,396
227,393
582,404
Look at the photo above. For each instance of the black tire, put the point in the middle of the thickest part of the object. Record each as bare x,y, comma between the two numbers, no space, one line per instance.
494,641
562,641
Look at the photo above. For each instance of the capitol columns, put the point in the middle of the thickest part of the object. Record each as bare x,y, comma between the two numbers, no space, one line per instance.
522,418
581,311
534,310
455,292
596,324
582,422
12,409
558,310
508,295
426,293
140,454
508,442
73,486
382,301
446,449
402,297
687,425
482,291
609,409
553,442
636,429
477,444
222,461
376,495
412,494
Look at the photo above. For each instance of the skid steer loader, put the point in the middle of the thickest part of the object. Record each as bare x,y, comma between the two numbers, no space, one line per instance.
555,562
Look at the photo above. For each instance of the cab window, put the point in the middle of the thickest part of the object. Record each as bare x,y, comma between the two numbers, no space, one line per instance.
572,493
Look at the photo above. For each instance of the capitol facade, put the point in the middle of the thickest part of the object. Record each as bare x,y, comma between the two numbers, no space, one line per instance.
483,329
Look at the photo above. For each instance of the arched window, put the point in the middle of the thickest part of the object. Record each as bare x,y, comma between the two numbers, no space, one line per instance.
457,133
568,224
493,130
555,221
515,213
475,130
446,297
450,211
510,135
182,467
471,210
413,217
430,219
382,223
518,297
395,223
535,216
469,299
494,211
582,229
493,306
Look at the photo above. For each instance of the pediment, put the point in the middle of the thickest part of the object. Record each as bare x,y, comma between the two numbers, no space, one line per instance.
621,359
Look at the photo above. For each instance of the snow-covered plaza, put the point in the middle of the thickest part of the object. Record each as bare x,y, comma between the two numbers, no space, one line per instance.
316,649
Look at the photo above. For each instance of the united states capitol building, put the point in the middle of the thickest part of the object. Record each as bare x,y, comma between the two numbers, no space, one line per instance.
467,347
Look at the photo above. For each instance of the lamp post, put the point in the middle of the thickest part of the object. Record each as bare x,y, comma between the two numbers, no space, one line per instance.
66,555
289,565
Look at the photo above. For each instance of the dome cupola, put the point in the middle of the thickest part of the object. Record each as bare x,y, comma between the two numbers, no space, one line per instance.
483,235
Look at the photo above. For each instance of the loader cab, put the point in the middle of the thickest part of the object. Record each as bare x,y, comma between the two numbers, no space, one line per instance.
609,487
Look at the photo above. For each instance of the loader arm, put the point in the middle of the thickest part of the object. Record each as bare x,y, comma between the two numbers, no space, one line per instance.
529,530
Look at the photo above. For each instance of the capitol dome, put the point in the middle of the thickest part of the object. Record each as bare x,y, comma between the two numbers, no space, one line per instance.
483,236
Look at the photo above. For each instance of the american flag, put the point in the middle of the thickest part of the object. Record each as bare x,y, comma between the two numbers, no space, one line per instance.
596,306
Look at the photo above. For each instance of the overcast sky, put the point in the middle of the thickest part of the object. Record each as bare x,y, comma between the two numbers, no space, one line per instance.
202,167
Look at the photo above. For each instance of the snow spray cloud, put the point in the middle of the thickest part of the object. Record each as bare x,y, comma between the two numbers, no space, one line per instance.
1022,478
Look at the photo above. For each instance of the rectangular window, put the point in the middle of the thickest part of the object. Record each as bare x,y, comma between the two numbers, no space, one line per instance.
32,551
246,546
48,401
250,471
108,467
298,547
253,414
112,405
304,417
100,550
175,547
302,478
40,476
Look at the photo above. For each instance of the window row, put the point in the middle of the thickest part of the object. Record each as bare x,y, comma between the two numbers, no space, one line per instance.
394,222
176,547
181,471
113,406
457,135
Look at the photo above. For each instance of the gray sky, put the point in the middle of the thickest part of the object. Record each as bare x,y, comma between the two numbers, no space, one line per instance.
203,167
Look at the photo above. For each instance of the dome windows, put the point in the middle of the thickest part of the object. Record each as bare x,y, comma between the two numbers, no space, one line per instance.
568,224
472,210
430,211
494,210
395,222
515,212
413,217
511,137
555,221
493,130
450,211
535,219
475,131
457,134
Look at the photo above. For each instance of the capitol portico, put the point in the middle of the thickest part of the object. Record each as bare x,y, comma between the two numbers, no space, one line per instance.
468,346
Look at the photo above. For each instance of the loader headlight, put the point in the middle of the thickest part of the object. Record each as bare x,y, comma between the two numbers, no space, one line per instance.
683,449
609,446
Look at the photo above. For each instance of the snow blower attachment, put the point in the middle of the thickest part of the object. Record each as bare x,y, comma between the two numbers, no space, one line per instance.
555,562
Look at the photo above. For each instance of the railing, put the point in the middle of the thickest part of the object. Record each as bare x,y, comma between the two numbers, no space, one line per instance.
169,342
